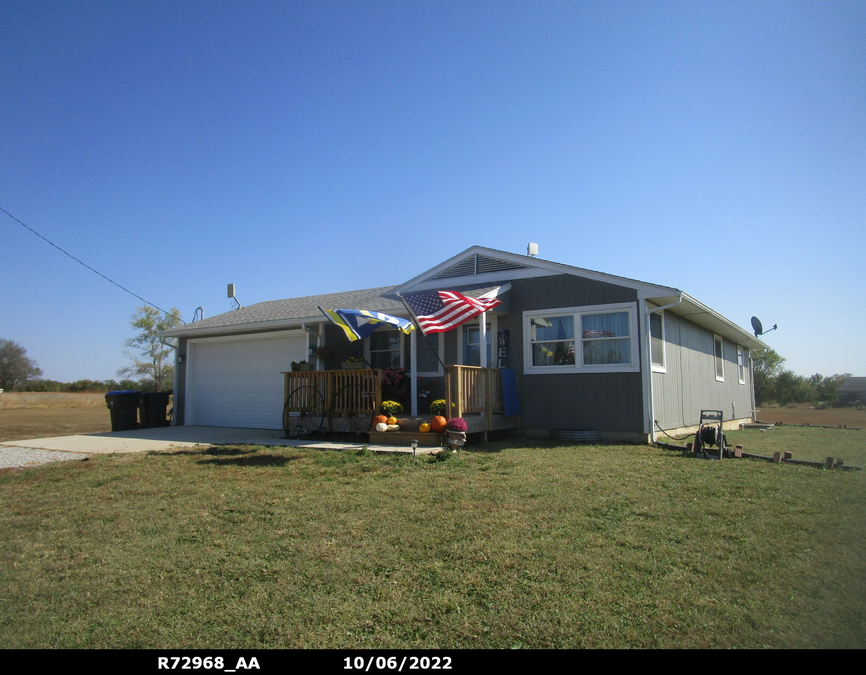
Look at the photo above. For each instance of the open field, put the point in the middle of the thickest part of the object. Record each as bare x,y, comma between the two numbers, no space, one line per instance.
30,400
547,547
16,424
803,414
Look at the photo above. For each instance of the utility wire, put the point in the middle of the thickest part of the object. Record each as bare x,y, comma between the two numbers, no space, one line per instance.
88,266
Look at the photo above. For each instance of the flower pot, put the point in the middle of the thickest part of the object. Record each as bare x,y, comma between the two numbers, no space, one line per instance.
455,439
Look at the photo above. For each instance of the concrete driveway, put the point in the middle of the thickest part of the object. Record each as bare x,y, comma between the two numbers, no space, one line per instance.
177,438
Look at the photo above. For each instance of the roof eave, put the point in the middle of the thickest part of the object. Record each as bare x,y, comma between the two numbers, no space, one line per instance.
698,313
260,326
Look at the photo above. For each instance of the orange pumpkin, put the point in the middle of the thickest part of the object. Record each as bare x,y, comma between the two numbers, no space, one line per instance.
424,428
380,419
438,424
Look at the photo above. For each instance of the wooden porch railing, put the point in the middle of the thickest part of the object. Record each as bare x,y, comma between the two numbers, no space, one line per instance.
471,389
333,392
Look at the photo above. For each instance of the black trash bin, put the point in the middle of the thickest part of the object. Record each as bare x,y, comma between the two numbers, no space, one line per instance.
124,409
152,409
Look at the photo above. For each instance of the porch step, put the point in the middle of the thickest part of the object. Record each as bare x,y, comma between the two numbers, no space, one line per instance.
403,438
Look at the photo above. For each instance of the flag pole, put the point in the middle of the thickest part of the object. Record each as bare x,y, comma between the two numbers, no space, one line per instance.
418,327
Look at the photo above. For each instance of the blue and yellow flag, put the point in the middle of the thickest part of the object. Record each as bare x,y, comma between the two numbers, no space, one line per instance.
359,323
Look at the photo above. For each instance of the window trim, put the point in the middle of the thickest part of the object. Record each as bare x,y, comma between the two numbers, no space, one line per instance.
741,364
663,366
579,366
719,360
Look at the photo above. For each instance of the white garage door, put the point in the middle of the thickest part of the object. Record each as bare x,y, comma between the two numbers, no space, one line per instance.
238,382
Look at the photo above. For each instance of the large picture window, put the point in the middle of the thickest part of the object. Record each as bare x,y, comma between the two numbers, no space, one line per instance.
600,338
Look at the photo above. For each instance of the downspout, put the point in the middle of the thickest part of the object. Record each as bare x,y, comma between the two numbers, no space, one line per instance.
649,362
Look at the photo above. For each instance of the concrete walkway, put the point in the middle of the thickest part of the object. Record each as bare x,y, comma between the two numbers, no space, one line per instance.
178,438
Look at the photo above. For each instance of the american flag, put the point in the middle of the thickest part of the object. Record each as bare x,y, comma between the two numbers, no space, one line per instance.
440,311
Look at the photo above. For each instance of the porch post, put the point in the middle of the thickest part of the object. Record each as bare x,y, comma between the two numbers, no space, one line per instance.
413,372
482,336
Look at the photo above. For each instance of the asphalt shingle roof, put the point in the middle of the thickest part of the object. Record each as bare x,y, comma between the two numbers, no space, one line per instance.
299,308
307,308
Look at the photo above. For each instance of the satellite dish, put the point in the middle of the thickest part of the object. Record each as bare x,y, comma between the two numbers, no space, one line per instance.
758,327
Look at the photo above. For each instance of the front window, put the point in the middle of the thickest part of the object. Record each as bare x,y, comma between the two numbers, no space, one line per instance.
385,349
552,339
472,345
427,353
606,340
392,349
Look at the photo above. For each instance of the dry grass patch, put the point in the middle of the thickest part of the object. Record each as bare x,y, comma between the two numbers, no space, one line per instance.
805,414
16,425
51,400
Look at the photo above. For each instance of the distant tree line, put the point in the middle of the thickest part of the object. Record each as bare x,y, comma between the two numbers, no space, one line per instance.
93,386
775,384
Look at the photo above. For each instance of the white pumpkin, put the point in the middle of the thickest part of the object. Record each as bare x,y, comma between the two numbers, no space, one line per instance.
381,427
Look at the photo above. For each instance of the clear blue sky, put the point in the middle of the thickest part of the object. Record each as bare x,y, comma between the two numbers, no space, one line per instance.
300,148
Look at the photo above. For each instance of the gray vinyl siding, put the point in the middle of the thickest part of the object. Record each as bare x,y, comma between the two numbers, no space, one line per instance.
690,384
610,402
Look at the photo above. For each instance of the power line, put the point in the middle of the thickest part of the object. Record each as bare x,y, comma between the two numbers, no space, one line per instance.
146,302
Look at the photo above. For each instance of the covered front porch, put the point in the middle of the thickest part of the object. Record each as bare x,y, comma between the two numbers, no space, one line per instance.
347,400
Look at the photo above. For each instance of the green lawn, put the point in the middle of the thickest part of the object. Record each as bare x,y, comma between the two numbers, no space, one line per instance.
540,547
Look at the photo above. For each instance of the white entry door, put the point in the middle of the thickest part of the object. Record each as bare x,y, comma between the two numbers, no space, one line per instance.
237,382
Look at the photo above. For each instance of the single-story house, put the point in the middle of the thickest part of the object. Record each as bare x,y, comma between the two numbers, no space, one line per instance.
591,351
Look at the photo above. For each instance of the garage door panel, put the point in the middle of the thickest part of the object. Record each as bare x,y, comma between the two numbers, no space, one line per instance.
238,383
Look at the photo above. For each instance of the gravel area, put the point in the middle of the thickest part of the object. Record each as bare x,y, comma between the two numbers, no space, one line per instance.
11,457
